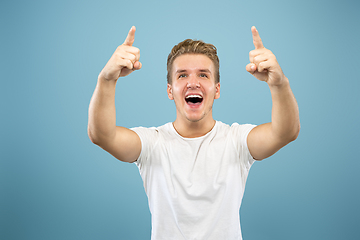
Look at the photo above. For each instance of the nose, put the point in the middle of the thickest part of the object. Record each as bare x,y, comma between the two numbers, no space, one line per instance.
193,82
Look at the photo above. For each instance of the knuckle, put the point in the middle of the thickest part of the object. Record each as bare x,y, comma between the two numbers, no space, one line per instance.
132,58
256,59
137,50
129,64
119,52
269,52
260,67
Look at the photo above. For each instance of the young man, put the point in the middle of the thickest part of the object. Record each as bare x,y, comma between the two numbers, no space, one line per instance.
194,169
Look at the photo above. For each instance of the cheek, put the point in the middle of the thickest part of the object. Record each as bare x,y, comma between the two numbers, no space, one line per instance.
177,89
211,89
172,94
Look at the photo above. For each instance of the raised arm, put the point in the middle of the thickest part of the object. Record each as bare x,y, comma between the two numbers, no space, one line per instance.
266,139
122,143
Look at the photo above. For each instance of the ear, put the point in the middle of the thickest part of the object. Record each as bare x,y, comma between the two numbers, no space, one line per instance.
169,92
217,89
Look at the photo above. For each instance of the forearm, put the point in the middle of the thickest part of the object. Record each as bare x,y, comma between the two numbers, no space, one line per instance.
285,122
102,113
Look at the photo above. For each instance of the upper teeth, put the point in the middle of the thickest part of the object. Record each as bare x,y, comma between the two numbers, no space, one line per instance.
193,96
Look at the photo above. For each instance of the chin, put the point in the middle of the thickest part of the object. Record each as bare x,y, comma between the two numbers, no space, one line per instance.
194,118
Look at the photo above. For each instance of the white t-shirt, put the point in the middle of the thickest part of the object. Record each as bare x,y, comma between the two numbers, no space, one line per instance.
195,185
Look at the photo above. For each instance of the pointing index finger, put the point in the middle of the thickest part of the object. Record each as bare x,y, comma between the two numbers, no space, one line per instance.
130,37
256,38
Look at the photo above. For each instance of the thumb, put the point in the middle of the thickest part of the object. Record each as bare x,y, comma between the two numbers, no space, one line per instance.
137,65
251,68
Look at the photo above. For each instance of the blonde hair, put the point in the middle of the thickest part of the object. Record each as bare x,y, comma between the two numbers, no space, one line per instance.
190,46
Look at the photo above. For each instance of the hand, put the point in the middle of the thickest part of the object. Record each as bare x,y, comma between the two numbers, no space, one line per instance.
124,60
263,64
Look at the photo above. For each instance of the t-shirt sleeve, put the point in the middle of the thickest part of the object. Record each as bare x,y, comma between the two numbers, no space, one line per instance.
241,134
148,138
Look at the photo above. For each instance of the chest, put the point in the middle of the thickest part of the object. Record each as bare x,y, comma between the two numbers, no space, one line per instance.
199,168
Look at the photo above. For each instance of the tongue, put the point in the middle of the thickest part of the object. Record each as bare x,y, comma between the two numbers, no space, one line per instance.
193,103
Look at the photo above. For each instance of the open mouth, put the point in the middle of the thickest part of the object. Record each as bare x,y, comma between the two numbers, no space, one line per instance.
194,99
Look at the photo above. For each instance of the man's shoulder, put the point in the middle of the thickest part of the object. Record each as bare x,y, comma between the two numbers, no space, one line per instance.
235,130
163,129
233,126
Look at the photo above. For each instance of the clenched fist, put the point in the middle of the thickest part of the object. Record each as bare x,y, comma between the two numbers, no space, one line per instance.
124,60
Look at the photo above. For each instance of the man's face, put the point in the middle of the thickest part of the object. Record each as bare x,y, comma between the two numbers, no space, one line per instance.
193,87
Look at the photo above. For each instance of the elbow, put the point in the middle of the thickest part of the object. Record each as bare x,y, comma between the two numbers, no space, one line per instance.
289,135
92,137
296,132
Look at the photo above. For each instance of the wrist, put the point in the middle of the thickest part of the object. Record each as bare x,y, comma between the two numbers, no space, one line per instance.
106,79
105,84
281,88
283,83
107,76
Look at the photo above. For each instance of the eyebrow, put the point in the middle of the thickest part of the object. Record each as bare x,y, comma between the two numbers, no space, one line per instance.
205,70
180,71
200,70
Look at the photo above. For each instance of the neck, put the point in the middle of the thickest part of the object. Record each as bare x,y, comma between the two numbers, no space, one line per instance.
190,129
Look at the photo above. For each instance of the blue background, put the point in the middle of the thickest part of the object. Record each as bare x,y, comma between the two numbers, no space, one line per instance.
55,184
